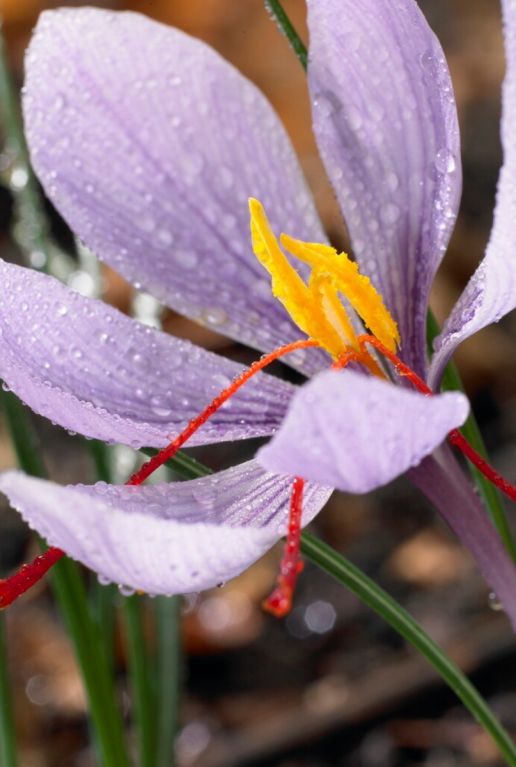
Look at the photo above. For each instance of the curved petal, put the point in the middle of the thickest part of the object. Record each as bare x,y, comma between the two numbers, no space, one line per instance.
441,479
386,124
167,538
357,433
491,291
150,144
93,370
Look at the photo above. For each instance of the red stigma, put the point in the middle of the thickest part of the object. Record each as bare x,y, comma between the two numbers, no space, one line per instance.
455,437
279,603
481,464
170,450
28,575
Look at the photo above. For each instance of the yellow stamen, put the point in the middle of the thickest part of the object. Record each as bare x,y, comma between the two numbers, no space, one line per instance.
322,288
347,279
316,308
303,304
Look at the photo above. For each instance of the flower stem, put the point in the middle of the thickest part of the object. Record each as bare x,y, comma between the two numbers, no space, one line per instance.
143,698
71,595
139,668
490,494
396,616
168,620
182,464
278,13
7,733
103,597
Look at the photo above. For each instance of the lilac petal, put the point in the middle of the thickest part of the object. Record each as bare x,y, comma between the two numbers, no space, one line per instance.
441,479
386,125
491,291
167,538
150,144
356,433
93,370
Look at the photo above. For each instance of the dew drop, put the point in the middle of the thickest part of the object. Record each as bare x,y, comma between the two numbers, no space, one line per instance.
126,591
214,316
19,177
392,181
165,237
159,407
326,103
494,602
390,213
186,258
445,161
427,60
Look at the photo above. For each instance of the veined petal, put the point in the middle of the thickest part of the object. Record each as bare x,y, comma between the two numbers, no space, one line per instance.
150,144
442,480
356,433
93,370
386,124
167,538
491,291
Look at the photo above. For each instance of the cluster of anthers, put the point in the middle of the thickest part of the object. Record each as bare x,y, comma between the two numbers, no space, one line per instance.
317,309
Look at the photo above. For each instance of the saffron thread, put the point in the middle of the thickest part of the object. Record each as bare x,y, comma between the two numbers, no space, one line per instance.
455,437
171,449
29,574
279,602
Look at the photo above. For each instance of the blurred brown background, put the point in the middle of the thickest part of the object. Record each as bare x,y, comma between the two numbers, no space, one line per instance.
331,685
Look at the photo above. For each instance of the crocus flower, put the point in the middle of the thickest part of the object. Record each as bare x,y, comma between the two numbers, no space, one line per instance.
150,144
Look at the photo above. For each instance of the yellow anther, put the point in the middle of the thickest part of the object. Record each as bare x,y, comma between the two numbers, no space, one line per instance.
316,308
346,279
321,287
301,302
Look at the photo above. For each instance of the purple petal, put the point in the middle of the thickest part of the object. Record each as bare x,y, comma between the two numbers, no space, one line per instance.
93,370
355,432
167,538
443,482
150,144
491,291
386,125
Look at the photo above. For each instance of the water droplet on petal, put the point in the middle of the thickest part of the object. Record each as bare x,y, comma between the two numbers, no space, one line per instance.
445,161
160,407
390,213
126,591
214,316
